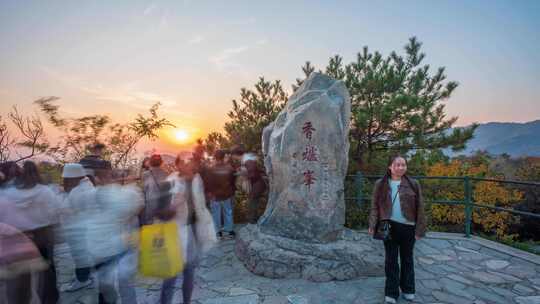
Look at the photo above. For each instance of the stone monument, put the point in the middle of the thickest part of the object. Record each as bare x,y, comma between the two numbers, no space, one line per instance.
302,234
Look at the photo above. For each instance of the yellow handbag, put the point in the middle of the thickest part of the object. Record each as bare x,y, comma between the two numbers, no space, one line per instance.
160,251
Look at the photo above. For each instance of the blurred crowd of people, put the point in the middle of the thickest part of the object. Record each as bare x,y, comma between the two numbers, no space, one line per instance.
97,213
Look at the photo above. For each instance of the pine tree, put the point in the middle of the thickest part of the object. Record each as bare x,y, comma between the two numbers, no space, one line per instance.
396,103
255,110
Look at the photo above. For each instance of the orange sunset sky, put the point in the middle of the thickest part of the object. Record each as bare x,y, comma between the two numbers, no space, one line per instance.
118,58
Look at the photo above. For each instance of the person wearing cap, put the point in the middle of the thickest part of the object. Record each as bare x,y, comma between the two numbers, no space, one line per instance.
110,219
80,193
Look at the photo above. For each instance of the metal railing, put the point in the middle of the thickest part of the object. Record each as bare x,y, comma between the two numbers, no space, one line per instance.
467,201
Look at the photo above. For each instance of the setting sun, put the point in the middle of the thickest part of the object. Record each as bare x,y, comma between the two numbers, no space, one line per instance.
181,135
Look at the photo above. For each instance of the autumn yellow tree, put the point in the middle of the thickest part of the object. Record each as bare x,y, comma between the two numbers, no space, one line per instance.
484,192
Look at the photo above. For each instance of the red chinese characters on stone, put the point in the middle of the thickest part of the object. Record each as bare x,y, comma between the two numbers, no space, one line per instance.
308,129
310,154
309,178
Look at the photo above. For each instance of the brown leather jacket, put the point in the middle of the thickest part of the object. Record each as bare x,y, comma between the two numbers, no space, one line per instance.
412,205
221,181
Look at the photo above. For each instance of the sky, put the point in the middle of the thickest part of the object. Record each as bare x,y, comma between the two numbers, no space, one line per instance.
120,57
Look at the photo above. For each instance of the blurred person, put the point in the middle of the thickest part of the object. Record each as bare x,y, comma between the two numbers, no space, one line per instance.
197,157
94,160
236,160
80,192
255,176
128,263
152,178
19,258
10,170
250,178
201,165
196,230
19,283
221,180
36,208
95,157
110,221
145,166
237,152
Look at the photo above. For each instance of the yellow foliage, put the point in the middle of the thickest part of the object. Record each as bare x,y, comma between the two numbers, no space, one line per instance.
485,193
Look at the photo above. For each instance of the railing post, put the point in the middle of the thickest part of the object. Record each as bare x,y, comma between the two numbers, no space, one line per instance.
468,206
358,185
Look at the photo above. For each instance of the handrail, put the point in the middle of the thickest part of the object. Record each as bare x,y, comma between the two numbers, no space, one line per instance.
467,201
453,202
479,179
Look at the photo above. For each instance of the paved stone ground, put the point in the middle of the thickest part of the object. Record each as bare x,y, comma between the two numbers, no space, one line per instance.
449,269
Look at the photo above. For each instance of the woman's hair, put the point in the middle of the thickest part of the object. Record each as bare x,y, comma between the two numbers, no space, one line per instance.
219,155
383,187
145,163
156,160
10,170
238,150
29,177
184,167
178,160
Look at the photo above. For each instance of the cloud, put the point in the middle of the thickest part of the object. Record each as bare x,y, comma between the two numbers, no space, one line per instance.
149,9
196,40
163,21
246,21
224,60
261,42
158,15
128,93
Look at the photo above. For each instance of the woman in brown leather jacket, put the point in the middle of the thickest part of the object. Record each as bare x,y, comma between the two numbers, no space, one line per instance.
398,198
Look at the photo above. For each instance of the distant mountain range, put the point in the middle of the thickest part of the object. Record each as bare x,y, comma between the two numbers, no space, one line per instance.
515,139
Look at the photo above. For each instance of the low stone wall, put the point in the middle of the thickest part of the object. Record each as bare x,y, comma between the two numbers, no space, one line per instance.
353,255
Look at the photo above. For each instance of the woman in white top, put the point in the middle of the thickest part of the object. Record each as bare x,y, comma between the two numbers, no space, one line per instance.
196,229
33,210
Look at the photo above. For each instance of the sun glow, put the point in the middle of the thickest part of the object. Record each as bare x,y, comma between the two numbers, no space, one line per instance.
181,135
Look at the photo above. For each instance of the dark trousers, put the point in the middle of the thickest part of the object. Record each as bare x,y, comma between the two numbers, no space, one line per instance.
167,290
47,291
400,245
253,209
19,288
82,274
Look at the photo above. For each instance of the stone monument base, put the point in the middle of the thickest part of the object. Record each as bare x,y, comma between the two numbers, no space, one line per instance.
353,255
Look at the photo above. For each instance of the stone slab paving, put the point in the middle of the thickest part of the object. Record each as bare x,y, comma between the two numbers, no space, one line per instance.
449,269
